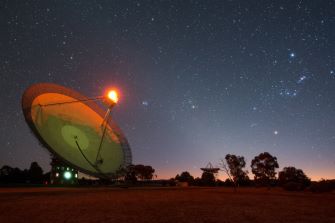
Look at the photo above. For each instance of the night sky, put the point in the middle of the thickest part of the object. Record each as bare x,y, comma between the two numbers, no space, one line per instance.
198,79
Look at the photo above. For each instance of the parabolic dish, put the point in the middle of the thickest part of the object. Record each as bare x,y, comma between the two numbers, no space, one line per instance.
71,127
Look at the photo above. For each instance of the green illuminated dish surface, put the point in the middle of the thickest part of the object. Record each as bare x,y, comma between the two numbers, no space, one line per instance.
63,126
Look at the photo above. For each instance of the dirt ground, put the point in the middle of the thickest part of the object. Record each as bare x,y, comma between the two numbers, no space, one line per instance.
164,205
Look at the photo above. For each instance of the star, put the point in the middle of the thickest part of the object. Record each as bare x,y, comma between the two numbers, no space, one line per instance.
193,107
199,80
301,79
288,93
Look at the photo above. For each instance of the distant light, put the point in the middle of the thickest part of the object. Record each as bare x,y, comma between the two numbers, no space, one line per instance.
67,175
112,95
275,132
76,175
301,79
292,55
57,174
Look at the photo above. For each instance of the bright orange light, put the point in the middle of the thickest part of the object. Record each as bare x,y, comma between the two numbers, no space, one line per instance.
112,95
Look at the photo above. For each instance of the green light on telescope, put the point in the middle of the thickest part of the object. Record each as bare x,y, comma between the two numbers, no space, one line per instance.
67,175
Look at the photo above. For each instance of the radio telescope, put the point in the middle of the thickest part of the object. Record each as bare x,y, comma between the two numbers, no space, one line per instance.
76,130
210,169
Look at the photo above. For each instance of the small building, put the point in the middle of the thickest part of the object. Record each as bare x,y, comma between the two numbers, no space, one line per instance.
62,174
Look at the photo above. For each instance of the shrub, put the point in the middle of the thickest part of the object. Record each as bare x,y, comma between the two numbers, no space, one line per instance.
322,186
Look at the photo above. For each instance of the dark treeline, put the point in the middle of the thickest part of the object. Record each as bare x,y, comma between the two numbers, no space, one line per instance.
134,173
34,175
14,175
263,167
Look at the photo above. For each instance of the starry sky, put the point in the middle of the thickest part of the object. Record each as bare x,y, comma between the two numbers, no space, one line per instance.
197,79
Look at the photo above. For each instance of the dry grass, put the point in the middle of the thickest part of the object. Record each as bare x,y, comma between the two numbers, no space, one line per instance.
164,205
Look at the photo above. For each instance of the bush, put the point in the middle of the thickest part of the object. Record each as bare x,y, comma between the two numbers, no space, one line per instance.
322,186
293,179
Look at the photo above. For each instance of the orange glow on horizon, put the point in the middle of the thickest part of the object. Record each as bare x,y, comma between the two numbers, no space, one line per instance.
168,173
113,96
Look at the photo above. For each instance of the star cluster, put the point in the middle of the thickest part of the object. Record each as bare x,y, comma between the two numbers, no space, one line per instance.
198,79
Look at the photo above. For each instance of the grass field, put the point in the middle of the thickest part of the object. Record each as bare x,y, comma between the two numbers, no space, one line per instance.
164,205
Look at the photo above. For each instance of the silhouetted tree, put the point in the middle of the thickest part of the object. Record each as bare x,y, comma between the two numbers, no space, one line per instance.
220,183
6,173
236,165
144,172
323,186
185,177
229,183
35,173
293,179
264,167
197,181
172,182
148,173
226,170
130,174
207,179
5,170
13,175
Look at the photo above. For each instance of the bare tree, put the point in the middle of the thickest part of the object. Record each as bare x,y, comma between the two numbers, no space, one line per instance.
226,170
235,166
